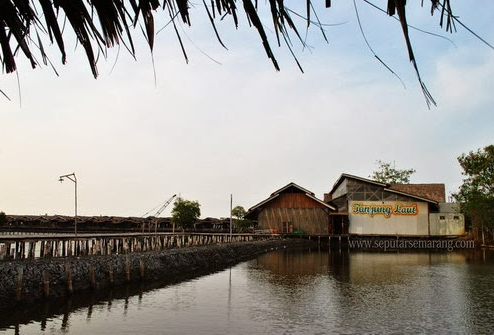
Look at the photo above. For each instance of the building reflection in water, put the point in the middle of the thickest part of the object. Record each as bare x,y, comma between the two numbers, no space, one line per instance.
359,288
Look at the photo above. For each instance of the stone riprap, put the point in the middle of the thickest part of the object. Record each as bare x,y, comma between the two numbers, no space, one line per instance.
30,280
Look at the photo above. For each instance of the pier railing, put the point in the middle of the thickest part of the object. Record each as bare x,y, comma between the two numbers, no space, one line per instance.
67,245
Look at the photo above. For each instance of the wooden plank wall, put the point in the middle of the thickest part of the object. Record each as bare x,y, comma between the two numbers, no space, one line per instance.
302,212
293,200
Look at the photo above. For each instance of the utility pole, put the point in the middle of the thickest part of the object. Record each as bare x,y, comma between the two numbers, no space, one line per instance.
231,203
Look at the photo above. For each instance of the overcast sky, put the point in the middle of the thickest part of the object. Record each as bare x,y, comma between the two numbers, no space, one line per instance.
228,123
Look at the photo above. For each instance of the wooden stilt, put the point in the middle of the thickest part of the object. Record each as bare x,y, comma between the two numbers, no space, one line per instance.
68,276
46,283
18,289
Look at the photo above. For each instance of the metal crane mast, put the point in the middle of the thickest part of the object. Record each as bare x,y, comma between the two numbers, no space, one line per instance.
162,208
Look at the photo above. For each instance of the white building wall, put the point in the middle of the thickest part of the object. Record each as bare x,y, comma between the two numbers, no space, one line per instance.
388,218
447,224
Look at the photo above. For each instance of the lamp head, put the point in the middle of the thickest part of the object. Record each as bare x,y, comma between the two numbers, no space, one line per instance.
60,180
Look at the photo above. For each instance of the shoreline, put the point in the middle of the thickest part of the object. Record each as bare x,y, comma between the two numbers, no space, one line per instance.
29,281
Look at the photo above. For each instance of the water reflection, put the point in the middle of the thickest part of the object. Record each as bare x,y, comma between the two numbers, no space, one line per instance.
55,315
424,292
315,291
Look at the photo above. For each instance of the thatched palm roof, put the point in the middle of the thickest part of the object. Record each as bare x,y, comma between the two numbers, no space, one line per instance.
25,24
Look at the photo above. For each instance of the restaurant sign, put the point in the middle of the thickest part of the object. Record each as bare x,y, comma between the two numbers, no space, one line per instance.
384,209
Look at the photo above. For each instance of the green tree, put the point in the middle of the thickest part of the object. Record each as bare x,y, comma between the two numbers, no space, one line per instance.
185,213
389,174
238,212
476,194
241,223
3,219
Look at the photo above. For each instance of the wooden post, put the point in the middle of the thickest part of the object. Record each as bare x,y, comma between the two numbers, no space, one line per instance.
7,250
68,276
127,267
46,282
141,268
18,291
42,249
17,254
110,274
47,252
30,250
23,249
92,276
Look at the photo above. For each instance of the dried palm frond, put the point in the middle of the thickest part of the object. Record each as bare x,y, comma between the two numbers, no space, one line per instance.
117,18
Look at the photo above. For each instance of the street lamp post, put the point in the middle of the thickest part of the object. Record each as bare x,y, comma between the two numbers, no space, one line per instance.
231,221
73,178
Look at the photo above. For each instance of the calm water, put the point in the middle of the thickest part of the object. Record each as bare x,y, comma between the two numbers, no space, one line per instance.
298,292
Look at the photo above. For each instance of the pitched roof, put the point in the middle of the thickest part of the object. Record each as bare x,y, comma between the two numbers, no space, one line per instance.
276,194
408,190
292,185
434,192
365,180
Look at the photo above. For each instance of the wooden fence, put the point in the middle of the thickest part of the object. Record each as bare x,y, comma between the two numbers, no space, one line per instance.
64,245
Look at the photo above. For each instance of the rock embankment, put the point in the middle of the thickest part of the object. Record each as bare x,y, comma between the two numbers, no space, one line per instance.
31,280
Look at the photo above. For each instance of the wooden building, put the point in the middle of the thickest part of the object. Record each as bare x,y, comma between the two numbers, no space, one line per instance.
368,207
292,209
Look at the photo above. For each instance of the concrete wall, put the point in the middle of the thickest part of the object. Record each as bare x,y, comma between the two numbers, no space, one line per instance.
447,224
388,218
449,207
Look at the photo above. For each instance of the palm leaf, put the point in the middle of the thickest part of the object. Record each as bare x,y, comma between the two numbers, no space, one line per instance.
117,17
254,18
52,26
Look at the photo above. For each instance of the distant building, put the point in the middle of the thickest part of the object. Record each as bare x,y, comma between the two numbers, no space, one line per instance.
368,207
292,209
360,206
